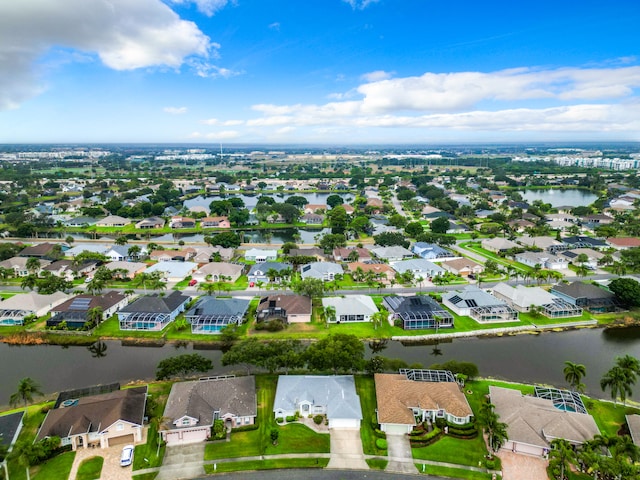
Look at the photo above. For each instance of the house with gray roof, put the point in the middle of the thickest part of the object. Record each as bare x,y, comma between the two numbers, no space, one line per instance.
80,222
19,266
10,428
113,221
260,255
334,396
321,270
210,314
586,295
76,312
394,253
173,271
126,269
483,307
431,251
543,259
258,272
152,312
13,310
193,407
217,271
524,298
418,312
498,244
351,308
542,242
419,267
534,422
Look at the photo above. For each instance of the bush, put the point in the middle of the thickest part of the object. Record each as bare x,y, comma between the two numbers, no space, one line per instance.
379,433
248,428
318,419
427,439
381,443
218,430
271,326
291,418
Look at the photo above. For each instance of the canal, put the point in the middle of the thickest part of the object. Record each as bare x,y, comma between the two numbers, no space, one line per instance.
526,358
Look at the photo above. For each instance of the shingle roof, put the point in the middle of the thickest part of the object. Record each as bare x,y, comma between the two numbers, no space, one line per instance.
293,304
200,399
396,396
96,413
351,305
105,301
156,304
220,306
583,290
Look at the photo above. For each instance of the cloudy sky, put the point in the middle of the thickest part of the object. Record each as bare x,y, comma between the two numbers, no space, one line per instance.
319,71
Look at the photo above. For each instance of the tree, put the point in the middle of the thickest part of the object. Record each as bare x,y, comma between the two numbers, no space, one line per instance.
134,251
414,229
440,225
33,265
573,373
627,290
329,315
338,352
618,380
388,239
94,317
208,288
121,240
496,431
310,287
332,240
225,239
182,365
334,200
562,456
27,388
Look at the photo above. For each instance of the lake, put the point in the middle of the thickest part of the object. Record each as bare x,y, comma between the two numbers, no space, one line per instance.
573,197
523,358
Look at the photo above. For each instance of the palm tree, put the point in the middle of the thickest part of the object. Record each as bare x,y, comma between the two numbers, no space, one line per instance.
94,317
619,382
121,240
329,315
134,251
27,388
573,373
562,455
33,264
30,282
495,429
94,286
208,288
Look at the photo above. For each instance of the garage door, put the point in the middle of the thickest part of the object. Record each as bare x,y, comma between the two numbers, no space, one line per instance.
125,439
183,438
395,429
344,423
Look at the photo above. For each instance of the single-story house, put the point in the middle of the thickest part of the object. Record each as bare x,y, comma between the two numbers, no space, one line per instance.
103,420
312,219
334,396
344,254
498,244
351,308
173,271
150,223
215,222
431,251
113,221
14,309
119,253
524,298
39,250
418,312
462,266
633,422
581,241
542,242
210,314
182,255
152,312
420,267
402,402
593,257
182,222
87,247
534,422
218,271
258,272
131,268
483,307
75,311
10,428
316,252
290,308
622,243
382,272
193,407
315,208
259,255
321,270
19,266
587,295
394,253
80,222
543,259
208,254
70,270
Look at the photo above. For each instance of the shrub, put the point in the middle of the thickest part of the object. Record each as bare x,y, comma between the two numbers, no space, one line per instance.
291,418
279,420
318,419
379,433
218,430
248,428
381,443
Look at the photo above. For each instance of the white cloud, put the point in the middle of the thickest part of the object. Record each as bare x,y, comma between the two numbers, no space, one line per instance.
175,110
224,135
376,76
205,69
208,7
275,26
226,123
124,34
360,4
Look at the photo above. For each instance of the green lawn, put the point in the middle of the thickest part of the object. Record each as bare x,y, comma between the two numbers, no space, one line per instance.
158,393
452,450
266,465
56,468
32,421
90,469
366,390
454,472
476,248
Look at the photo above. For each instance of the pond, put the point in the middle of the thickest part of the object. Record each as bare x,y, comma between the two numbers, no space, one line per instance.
521,358
573,197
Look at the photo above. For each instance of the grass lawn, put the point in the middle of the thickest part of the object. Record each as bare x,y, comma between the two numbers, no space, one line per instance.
365,387
454,472
267,465
158,393
608,417
452,450
298,438
56,468
475,247
32,421
90,469
377,464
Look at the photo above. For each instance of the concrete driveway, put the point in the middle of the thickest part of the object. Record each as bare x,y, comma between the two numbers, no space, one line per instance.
400,456
111,468
346,449
183,461
522,467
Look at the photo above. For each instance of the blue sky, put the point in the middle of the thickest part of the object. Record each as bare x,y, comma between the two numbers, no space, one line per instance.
318,71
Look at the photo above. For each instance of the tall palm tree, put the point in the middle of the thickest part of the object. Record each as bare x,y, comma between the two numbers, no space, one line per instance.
495,429
329,315
208,288
30,282
562,455
573,373
33,264
27,388
94,316
619,382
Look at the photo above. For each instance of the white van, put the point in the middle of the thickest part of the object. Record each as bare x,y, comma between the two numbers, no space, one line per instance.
126,458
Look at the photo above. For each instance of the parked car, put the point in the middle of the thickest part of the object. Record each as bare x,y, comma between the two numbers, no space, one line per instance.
192,282
126,458
252,284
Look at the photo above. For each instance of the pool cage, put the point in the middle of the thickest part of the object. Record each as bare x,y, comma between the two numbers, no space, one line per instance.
560,308
212,323
562,399
425,375
143,321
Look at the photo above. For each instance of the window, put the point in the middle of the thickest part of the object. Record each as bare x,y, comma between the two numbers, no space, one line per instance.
186,421
119,427
247,420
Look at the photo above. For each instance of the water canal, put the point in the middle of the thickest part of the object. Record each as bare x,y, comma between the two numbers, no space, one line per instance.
526,358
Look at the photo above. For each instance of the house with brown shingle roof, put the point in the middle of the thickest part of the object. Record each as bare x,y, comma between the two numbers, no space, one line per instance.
291,308
403,403
622,243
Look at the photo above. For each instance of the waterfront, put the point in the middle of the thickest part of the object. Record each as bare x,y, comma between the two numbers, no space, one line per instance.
522,358
572,197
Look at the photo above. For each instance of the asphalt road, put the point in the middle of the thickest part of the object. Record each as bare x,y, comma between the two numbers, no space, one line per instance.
319,475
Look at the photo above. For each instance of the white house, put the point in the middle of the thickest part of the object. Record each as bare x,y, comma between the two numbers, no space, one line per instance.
259,255
351,308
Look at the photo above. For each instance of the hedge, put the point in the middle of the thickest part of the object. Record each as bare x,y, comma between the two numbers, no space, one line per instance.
381,443
246,428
